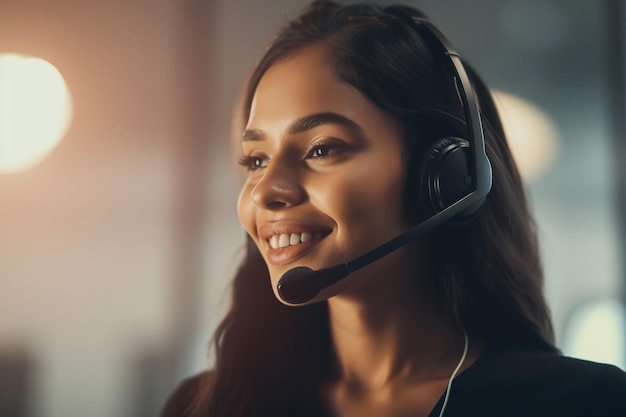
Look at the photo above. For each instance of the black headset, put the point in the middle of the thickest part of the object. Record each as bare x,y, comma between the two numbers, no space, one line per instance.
455,174
455,180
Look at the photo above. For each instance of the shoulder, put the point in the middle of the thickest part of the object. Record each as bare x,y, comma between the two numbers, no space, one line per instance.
180,400
554,367
520,383
534,364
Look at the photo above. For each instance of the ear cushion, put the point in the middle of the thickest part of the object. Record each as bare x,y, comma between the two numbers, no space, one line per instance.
445,176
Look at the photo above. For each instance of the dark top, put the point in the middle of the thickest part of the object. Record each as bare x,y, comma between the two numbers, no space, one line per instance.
511,383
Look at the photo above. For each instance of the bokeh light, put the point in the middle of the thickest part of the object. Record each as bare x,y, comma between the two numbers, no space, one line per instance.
596,332
531,134
35,111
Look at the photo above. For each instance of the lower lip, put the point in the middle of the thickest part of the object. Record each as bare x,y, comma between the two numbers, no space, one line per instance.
286,255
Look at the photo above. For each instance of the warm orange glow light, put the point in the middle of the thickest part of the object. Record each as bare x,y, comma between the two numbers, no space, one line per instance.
35,111
531,134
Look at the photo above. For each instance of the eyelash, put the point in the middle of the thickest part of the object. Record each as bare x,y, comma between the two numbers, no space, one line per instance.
311,150
252,163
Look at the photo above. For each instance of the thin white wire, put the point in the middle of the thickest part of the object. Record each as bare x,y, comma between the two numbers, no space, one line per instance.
456,370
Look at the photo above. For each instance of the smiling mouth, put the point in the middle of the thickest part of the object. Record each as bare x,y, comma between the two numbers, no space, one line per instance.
292,239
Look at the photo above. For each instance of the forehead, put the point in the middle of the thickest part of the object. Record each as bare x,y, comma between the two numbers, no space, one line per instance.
303,83
306,84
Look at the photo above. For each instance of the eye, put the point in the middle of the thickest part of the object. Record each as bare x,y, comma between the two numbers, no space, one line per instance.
324,150
319,151
253,163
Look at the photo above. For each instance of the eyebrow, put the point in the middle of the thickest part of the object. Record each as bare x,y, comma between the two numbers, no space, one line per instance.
306,123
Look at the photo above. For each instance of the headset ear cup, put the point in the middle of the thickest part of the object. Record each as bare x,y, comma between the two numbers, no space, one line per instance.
445,177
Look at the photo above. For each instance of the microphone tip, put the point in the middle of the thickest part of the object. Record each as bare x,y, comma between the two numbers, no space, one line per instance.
293,289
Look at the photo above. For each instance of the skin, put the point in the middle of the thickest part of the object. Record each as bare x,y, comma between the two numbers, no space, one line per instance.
341,176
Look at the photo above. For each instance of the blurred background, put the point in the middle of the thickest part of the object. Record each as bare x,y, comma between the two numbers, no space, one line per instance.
118,227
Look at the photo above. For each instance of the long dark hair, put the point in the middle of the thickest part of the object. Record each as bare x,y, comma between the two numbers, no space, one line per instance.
270,359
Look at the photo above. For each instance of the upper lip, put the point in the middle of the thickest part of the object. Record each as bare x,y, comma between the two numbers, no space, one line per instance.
281,227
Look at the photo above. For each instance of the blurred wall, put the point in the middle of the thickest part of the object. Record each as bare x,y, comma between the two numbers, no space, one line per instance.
97,243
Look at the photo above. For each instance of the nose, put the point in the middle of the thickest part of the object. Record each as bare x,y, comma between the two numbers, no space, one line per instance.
280,187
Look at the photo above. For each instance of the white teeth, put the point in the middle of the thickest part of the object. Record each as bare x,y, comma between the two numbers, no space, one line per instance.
285,240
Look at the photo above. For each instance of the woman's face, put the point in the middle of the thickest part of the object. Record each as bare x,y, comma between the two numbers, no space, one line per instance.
325,177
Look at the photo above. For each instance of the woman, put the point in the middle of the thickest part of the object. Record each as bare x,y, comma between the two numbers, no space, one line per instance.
337,129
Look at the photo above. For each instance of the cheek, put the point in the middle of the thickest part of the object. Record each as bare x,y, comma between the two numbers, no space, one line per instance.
245,210
366,199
